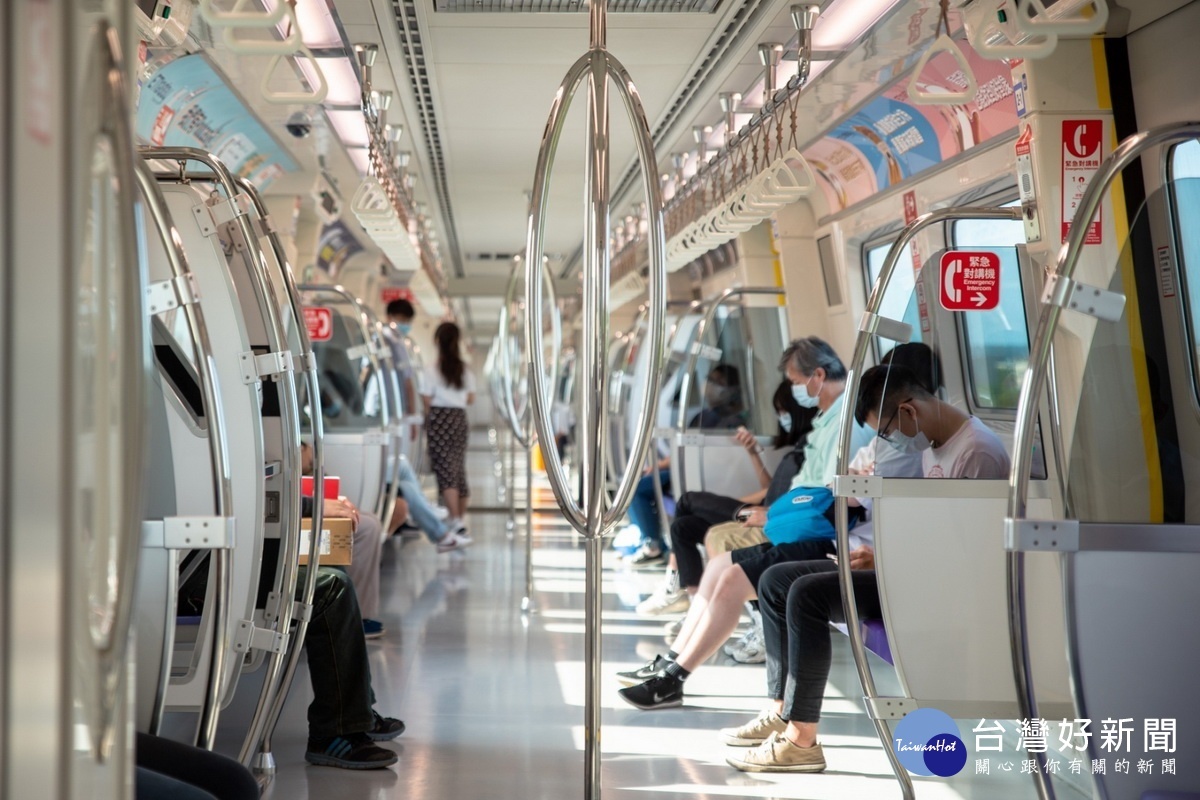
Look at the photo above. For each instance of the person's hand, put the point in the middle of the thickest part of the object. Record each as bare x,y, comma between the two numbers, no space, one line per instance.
862,558
646,470
756,518
746,439
341,509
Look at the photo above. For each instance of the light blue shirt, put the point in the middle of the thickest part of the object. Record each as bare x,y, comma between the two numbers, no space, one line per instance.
820,451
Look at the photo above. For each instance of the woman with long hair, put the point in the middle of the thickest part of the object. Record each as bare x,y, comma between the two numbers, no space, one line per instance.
449,388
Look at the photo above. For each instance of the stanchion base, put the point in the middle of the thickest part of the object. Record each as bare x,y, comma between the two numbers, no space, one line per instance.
528,605
264,764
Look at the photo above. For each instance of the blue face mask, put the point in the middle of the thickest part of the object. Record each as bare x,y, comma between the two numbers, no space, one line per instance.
801,395
909,444
785,422
404,327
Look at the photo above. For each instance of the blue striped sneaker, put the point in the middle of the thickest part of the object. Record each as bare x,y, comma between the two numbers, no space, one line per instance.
353,751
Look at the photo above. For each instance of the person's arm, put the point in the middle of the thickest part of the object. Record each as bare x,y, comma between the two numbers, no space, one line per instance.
747,440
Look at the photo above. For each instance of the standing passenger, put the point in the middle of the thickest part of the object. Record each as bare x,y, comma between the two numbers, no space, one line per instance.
449,388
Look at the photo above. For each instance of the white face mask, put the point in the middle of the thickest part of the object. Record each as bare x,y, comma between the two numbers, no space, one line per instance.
801,395
909,444
785,422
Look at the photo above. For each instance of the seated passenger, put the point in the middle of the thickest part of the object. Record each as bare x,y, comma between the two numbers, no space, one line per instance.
423,513
799,600
697,512
818,378
722,409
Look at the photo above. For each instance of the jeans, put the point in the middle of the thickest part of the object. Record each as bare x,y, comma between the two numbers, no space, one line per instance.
798,600
418,507
643,510
695,513
337,659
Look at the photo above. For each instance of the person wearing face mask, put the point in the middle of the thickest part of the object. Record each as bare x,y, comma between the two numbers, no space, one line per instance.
698,512
400,315
799,600
818,379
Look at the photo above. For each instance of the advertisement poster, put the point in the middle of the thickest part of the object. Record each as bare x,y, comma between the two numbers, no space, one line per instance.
336,246
891,139
186,103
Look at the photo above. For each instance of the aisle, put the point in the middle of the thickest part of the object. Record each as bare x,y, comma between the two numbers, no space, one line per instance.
493,700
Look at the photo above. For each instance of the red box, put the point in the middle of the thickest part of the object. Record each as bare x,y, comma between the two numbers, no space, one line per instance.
333,486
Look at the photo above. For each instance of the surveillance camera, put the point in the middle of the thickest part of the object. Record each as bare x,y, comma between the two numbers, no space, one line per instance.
299,125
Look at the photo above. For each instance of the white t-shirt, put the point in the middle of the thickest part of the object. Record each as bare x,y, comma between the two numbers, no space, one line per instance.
972,452
442,394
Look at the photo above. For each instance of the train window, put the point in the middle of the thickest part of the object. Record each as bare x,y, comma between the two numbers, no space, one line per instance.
1185,205
899,302
996,341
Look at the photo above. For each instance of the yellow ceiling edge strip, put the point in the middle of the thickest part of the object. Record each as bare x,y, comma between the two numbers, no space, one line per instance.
1141,378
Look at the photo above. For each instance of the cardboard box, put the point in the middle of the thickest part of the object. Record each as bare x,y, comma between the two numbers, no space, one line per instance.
337,541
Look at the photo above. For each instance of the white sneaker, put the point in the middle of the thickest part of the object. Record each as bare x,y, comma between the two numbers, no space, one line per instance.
454,540
442,513
664,601
751,649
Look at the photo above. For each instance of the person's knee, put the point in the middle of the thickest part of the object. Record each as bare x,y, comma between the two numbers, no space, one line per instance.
734,586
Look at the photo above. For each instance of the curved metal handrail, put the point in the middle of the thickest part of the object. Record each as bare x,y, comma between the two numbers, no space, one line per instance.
868,329
210,392
390,385
685,387
267,300
590,516
113,124
267,713
1034,385
522,423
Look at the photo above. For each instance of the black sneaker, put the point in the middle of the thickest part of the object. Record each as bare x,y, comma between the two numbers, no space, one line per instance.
386,728
644,672
661,691
353,751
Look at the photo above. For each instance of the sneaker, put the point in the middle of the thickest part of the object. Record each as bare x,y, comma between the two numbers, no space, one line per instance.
372,629
664,601
647,556
353,751
661,691
733,645
454,540
408,531
778,754
442,513
385,728
645,672
756,731
752,649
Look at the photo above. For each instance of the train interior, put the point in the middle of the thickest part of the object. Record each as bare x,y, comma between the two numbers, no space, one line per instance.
235,234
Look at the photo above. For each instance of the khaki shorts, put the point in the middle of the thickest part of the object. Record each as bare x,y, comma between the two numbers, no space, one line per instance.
732,536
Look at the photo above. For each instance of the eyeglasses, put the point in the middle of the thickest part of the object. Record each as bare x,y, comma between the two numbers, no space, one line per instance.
887,437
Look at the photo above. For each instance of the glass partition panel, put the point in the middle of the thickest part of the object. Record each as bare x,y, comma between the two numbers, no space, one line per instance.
1123,460
351,392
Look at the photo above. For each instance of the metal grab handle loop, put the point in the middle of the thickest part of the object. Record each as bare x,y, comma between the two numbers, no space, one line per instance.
862,346
1037,374
112,646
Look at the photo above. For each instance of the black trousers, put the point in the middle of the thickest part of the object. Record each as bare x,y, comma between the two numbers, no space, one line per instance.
695,513
798,600
169,770
337,658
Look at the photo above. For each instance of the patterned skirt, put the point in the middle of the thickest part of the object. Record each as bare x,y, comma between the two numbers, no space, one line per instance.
446,430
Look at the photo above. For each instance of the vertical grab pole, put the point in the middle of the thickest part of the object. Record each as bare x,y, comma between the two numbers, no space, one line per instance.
528,605
595,515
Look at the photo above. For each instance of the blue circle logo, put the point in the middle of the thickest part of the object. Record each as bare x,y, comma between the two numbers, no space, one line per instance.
927,742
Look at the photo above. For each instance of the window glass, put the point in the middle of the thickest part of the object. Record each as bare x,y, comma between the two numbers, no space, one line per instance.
1185,194
900,301
997,341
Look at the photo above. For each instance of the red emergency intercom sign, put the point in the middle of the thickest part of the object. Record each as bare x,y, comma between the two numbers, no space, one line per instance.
319,322
970,280
390,293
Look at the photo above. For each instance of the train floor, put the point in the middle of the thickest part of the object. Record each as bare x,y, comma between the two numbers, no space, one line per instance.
493,699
